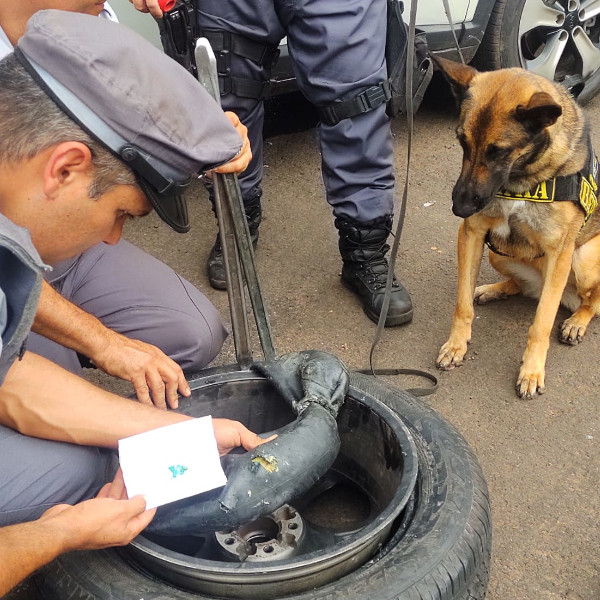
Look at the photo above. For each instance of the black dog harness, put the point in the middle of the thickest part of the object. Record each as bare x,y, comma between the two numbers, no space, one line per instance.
580,188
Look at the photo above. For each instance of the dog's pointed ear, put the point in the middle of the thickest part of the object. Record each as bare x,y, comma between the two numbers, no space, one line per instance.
459,76
541,112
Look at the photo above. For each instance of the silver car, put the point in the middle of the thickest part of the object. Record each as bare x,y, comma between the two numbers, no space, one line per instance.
559,39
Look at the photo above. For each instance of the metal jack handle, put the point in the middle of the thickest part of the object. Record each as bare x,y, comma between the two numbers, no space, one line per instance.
238,253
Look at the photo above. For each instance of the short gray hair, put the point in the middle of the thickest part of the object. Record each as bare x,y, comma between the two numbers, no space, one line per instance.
30,122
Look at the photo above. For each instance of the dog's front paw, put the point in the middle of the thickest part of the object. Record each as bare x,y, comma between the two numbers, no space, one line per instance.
483,296
451,355
529,385
571,331
496,291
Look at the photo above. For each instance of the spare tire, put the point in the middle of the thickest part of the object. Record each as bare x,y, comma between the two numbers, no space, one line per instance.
439,549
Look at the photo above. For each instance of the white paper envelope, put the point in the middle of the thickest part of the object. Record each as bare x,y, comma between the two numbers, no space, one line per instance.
172,462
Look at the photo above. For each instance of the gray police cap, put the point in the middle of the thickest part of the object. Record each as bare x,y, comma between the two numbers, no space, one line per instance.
140,103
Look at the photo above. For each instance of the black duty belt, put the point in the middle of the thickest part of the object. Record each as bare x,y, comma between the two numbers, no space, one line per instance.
225,43
261,53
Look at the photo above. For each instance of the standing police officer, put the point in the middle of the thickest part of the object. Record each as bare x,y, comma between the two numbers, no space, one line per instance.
338,53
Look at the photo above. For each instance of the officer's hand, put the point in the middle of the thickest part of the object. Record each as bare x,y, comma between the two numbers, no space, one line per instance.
242,160
150,6
107,520
155,377
231,434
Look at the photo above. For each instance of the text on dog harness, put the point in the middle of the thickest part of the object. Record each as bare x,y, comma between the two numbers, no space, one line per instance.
580,188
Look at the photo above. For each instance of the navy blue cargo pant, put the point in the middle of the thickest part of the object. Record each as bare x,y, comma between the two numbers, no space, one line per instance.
338,51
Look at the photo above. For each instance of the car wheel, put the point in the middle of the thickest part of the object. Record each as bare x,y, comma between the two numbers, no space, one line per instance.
437,548
559,40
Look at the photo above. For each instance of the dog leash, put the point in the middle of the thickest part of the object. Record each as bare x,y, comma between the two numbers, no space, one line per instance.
410,52
452,28
419,391
398,232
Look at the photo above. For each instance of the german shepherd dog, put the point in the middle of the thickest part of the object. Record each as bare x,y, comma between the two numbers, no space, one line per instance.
528,189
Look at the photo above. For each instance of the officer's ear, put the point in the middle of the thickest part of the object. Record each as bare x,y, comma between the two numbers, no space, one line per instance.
66,164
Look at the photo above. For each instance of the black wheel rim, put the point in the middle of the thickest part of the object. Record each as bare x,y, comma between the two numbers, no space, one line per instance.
375,472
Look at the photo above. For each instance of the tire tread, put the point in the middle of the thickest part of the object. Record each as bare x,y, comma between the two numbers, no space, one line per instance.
489,53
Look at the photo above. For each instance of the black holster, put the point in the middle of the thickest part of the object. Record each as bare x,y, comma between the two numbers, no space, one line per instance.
178,33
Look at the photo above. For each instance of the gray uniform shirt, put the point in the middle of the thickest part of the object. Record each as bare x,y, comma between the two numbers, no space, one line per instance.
20,285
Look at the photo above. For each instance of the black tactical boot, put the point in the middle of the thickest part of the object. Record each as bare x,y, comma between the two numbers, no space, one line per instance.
215,263
363,248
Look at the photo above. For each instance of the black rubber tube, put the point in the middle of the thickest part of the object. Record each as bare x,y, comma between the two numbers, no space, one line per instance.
260,481
314,385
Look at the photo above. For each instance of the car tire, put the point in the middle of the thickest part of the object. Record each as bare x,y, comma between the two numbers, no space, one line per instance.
442,552
509,42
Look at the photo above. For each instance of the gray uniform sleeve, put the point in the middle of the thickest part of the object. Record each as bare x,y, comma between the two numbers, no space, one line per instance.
20,286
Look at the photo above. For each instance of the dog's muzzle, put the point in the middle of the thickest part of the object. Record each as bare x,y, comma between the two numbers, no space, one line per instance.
465,205
470,195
